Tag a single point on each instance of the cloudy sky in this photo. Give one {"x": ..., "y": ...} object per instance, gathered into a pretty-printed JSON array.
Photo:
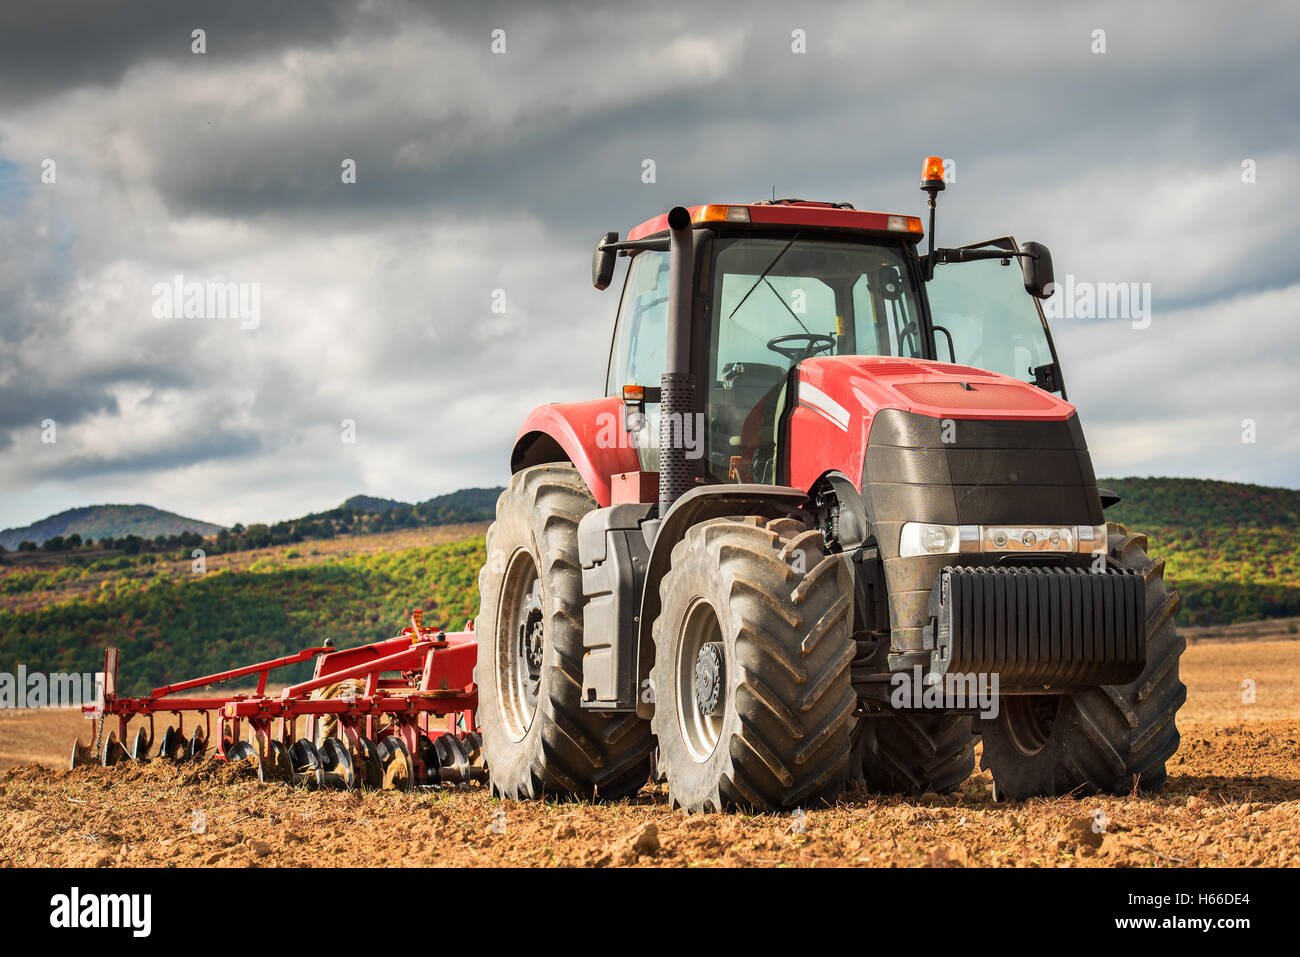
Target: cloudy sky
[{"x": 479, "y": 171}]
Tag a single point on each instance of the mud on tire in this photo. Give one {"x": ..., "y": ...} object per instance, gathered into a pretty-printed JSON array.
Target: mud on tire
[
  {"x": 775, "y": 611},
  {"x": 1108, "y": 739},
  {"x": 536, "y": 737}
]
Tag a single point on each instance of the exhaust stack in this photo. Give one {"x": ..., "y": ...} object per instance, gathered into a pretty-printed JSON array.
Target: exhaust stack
[{"x": 677, "y": 384}]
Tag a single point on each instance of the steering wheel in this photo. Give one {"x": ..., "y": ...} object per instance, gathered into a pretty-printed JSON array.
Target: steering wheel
[{"x": 814, "y": 342}]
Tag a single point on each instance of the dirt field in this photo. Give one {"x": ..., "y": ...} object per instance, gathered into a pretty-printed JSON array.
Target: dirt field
[{"x": 1233, "y": 798}]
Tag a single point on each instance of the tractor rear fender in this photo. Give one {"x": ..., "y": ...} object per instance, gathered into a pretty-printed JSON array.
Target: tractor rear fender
[
  {"x": 698, "y": 505},
  {"x": 590, "y": 434}
]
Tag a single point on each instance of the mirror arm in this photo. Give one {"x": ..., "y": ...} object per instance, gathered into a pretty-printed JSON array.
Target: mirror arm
[
  {"x": 972, "y": 255},
  {"x": 658, "y": 245}
]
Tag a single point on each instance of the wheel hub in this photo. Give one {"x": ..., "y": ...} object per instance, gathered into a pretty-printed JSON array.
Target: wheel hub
[
  {"x": 709, "y": 672},
  {"x": 700, "y": 684},
  {"x": 1028, "y": 720},
  {"x": 531, "y": 643}
]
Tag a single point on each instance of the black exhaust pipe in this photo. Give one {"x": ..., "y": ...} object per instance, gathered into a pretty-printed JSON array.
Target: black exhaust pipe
[{"x": 677, "y": 385}]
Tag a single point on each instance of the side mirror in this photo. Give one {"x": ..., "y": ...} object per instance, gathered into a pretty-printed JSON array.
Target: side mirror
[
  {"x": 1036, "y": 265},
  {"x": 602, "y": 262}
]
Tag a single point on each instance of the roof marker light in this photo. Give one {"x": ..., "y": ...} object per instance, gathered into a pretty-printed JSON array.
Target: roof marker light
[
  {"x": 714, "y": 214},
  {"x": 904, "y": 224}
]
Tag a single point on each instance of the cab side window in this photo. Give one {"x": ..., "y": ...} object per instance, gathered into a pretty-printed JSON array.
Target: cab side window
[
  {"x": 641, "y": 335},
  {"x": 641, "y": 344}
]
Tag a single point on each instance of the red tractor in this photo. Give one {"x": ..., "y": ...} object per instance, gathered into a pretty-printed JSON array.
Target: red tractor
[{"x": 832, "y": 520}]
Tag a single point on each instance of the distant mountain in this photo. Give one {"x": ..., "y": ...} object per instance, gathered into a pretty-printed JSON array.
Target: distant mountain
[
  {"x": 372, "y": 505},
  {"x": 464, "y": 505},
  {"x": 112, "y": 521}
]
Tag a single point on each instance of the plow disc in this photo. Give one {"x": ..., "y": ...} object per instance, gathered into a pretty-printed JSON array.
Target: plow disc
[
  {"x": 140, "y": 746},
  {"x": 399, "y": 772},
  {"x": 370, "y": 769},
  {"x": 306, "y": 763},
  {"x": 457, "y": 759},
  {"x": 83, "y": 755},
  {"x": 112, "y": 752},
  {"x": 173, "y": 745},
  {"x": 337, "y": 770}
]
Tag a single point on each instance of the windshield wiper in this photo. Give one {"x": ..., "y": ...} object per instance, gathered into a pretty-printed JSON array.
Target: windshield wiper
[
  {"x": 763, "y": 275},
  {"x": 787, "y": 307}
]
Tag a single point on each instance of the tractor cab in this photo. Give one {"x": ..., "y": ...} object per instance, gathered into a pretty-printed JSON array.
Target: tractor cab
[{"x": 778, "y": 283}]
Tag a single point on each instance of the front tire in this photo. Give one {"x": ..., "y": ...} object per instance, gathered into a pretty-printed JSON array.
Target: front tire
[
  {"x": 537, "y": 739},
  {"x": 1109, "y": 739},
  {"x": 751, "y": 675}
]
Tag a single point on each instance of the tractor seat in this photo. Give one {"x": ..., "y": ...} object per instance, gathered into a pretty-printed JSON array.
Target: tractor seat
[{"x": 734, "y": 413}]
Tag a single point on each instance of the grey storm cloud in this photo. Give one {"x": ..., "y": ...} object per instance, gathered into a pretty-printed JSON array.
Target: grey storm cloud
[{"x": 480, "y": 172}]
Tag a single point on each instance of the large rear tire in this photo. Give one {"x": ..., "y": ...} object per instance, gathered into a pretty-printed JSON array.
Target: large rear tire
[
  {"x": 751, "y": 676},
  {"x": 1109, "y": 739},
  {"x": 537, "y": 739}
]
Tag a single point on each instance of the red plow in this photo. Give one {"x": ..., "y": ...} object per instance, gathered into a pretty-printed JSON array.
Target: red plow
[{"x": 394, "y": 714}]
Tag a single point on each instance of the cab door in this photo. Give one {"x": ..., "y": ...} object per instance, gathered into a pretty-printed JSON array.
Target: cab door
[{"x": 984, "y": 317}]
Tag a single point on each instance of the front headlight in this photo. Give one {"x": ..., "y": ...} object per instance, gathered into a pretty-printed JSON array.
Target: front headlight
[
  {"x": 920, "y": 538},
  {"x": 923, "y": 538}
]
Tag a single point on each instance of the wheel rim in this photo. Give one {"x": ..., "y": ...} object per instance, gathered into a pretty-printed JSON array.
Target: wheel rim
[
  {"x": 1028, "y": 721},
  {"x": 520, "y": 645},
  {"x": 701, "y": 681}
]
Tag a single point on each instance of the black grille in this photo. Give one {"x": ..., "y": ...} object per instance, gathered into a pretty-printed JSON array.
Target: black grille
[{"x": 1039, "y": 626}]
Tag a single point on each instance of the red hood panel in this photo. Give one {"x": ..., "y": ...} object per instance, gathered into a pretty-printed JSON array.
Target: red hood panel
[
  {"x": 938, "y": 389},
  {"x": 839, "y": 396}
]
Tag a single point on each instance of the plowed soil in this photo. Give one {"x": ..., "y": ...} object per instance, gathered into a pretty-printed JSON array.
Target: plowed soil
[{"x": 1233, "y": 798}]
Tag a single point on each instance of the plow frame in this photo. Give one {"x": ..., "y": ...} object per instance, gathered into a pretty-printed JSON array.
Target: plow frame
[{"x": 417, "y": 688}]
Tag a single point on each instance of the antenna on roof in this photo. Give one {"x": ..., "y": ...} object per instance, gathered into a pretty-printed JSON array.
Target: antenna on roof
[{"x": 774, "y": 194}]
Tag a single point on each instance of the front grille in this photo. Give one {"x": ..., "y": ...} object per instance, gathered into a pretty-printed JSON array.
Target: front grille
[{"x": 1039, "y": 626}]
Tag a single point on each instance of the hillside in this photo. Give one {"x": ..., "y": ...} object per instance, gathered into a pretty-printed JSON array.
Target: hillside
[
  {"x": 108, "y": 521},
  {"x": 1231, "y": 548},
  {"x": 172, "y": 623},
  {"x": 1201, "y": 503}
]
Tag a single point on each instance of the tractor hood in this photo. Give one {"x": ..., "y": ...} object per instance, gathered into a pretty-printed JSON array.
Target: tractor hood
[
  {"x": 837, "y": 400},
  {"x": 867, "y": 384}
]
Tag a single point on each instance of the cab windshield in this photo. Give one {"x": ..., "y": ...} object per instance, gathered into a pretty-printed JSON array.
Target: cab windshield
[{"x": 777, "y": 301}]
